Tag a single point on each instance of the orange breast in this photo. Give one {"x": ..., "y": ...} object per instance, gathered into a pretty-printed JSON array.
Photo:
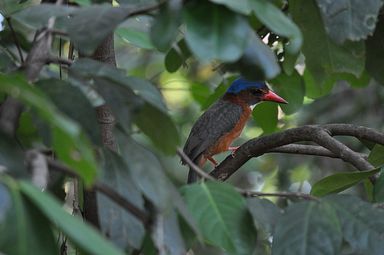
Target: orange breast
[{"x": 226, "y": 140}]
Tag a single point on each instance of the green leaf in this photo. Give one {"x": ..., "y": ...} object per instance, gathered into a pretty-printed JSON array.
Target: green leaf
[
  {"x": 362, "y": 224},
  {"x": 11, "y": 157},
  {"x": 378, "y": 189},
  {"x": 166, "y": 234},
  {"x": 69, "y": 142},
  {"x": 265, "y": 214},
  {"x": 258, "y": 61},
  {"x": 81, "y": 234},
  {"x": 375, "y": 53},
  {"x": 200, "y": 92},
  {"x": 222, "y": 216},
  {"x": 265, "y": 116},
  {"x": 132, "y": 98},
  {"x": 96, "y": 22},
  {"x": 308, "y": 228},
  {"x": 177, "y": 56},
  {"x": 8, "y": 7},
  {"x": 159, "y": 127},
  {"x": 349, "y": 19},
  {"x": 291, "y": 88},
  {"x": 376, "y": 157},
  {"x": 220, "y": 35},
  {"x": 146, "y": 172},
  {"x": 79, "y": 110},
  {"x": 135, "y": 37},
  {"x": 124, "y": 229},
  {"x": 82, "y": 2},
  {"x": 165, "y": 25},
  {"x": 273, "y": 18},
  {"x": 23, "y": 227},
  {"x": 241, "y": 6},
  {"x": 323, "y": 59},
  {"x": 339, "y": 182},
  {"x": 37, "y": 16}
]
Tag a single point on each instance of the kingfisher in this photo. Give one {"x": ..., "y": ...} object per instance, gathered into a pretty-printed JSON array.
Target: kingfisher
[{"x": 215, "y": 130}]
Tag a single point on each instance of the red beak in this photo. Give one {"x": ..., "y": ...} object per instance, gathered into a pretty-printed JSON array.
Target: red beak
[{"x": 271, "y": 96}]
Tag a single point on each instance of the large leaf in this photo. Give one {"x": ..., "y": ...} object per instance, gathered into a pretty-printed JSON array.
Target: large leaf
[
  {"x": 258, "y": 61},
  {"x": 11, "y": 157},
  {"x": 378, "y": 188},
  {"x": 222, "y": 216},
  {"x": 241, "y": 6},
  {"x": 127, "y": 95},
  {"x": 375, "y": 53},
  {"x": 159, "y": 127},
  {"x": 8, "y": 7},
  {"x": 96, "y": 22},
  {"x": 135, "y": 37},
  {"x": 277, "y": 22},
  {"x": 23, "y": 227},
  {"x": 80, "y": 109},
  {"x": 322, "y": 56},
  {"x": 376, "y": 157},
  {"x": 308, "y": 228},
  {"x": 339, "y": 182},
  {"x": 349, "y": 19},
  {"x": 121, "y": 227},
  {"x": 176, "y": 56},
  {"x": 146, "y": 172},
  {"x": 165, "y": 25},
  {"x": 362, "y": 224},
  {"x": 81, "y": 234},
  {"x": 291, "y": 88},
  {"x": 166, "y": 234},
  {"x": 265, "y": 116},
  {"x": 69, "y": 142},
  {"x": 220, "y": 35},
  {"x": 37, "y": 16},
  {"x": 265, "y": 214}
]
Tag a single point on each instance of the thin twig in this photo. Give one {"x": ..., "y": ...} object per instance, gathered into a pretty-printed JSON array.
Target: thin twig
[
  {"x": 300, "y": 195},
  {"x": 104, "y": 189},
  {"x": 193, "y": 166},
  {"x": 8, "y": 19},
  {"x": 60, "y": 61}
]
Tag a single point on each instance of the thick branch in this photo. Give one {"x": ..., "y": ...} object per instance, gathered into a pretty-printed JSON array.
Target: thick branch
[
  {"x": 341, "y": 150},
  {"x": 320, "y": 134}
]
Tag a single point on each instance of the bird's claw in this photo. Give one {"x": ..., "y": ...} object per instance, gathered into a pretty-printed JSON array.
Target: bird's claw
[{"x": 233, "y": 150}]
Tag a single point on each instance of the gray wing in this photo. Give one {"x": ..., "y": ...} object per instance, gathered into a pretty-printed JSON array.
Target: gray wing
[{"x": 219, "y": 119}]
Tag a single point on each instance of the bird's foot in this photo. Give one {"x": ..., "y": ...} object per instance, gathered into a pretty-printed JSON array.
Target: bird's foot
[
  {"x": 213, "y": 161},
  {"x": 233, "y": 150}
]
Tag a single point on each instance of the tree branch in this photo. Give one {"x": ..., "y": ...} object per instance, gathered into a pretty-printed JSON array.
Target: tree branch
[
  {"x": 315, "y": 133},
  {"x": 313, "y": 150}
]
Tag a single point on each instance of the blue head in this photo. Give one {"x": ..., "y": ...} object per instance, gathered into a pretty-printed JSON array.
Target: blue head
[
  {"x": 253, "y": 92},
  {"x": 242, "y": 84}
]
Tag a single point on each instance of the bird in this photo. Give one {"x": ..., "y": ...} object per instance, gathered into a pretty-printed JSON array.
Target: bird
[{"x": 216, "y": 129}]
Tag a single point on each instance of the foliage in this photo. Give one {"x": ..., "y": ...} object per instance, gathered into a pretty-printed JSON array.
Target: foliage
[{"x": 303, "y": 48}]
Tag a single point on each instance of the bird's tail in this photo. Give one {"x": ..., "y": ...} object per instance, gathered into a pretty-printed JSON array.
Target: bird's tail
[{"x": 192, "y": 176}]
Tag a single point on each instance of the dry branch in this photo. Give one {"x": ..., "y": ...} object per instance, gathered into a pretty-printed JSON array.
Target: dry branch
[{"x": 320, "y": 134}]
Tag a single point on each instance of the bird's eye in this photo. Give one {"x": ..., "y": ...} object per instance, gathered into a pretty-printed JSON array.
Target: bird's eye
[{"x": 256, "y": 92}]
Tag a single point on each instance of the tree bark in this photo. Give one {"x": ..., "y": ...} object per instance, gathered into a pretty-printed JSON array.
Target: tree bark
[{"x": 104, "y": 53}]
